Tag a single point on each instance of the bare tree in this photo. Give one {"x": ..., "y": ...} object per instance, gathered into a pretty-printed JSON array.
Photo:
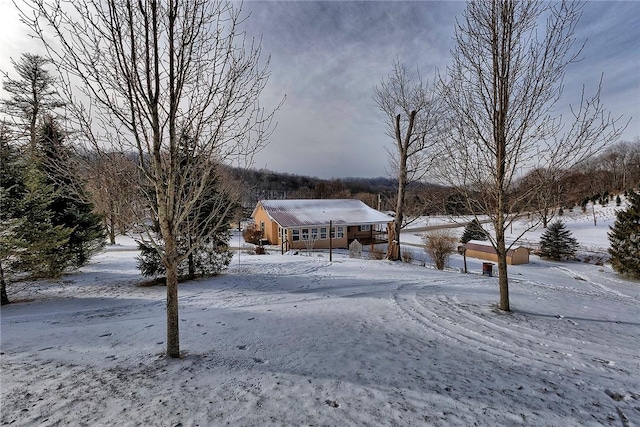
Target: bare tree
[
  {"x": 113, "y": 184},
  {"x": 617, "y": 159},
  {"x": 310, "y": 238},
  {"x": 547, "y": 198},
  {"x": 148, "y": 71},
  {"x": 411, "y": 109},
  {"x": 501, "y": 94}
]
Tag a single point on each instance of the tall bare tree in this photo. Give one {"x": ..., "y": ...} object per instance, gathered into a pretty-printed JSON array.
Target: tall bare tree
[
  {"x": 411, "y": 108},
  {"x": 501, "y": 93},
  {"x": 112, "y": 181},
  {"x": 148, "y": 70},
  {"x": 618, "y": 159}
]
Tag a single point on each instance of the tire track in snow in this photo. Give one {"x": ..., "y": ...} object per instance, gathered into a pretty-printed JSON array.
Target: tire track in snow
[
  {"x": 473, "y": 334},
  {"x": 596, "y": 285},
  {"x": 579, "y": 351},
  {"x": 595, "y": 291}
]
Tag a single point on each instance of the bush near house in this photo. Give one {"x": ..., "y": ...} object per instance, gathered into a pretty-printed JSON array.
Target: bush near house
[{"x": 252, "y": 235}]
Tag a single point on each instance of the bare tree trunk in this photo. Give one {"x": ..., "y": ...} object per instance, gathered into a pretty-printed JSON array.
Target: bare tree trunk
[
  {"x": 191, "y": 261},
  {"x": 173, "y": 327},
  {"x": 4, "y": 298},
  {"x": 112, "y": 225},
  {"x": 393, "y": 249},
  {"x": 503, "y": 279}
]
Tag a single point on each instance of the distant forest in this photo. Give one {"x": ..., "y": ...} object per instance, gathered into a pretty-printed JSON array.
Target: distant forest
[{"x": 599, "y": 180}]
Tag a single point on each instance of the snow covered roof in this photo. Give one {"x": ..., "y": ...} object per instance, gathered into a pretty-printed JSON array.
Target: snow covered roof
[{"x": 309, "y": 212}]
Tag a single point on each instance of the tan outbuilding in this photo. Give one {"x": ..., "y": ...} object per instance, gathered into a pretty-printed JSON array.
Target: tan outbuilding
[{"x": 484, "y": 250}]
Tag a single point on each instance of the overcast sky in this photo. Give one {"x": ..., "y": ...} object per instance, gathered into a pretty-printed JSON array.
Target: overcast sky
[{"x": 327, "y": 56}]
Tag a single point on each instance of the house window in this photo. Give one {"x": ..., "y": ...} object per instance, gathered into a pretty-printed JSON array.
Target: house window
[
  {"x": 262, "y": 226},
  {"x": 295, "y": 234},
  {"x": 365, "y": 228},
  {"x": 305, "y": 234},
  {"x": 314, "y": 234},
  {"x": 340, "y": 232},
  {"x": 323, "y": 233}
]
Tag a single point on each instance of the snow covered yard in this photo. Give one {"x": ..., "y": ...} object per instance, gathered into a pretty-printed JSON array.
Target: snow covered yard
[{"x": 297, "y": 340}]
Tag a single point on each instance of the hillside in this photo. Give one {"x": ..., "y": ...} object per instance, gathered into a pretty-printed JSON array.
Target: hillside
[{"x": 298, "y": 340}]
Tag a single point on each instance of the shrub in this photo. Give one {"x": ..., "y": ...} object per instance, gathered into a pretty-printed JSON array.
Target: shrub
[
  {"x": 252, "y": 235},
  {"x": 557, "y": 243},
  {"x": 407, "y": 256},
  {"x": 259, "y": 250},
  {"x": 376, "y": 254},
  {"x": 439, "y": 244}
]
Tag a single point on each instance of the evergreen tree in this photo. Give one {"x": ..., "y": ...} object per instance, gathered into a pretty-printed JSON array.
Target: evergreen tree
[
  {"x": 44, "y": 239},
  {"x": 10, "y": 196},
  {"x": 212, "y": 255},
  {"x": 208, "y": 259},
  {"x": 625, "y": 239},
  {"x": 473, "y": 231},
  {"x": 32, "y": 95},
  {"x": 557, "y": 243},
  {"x": 29, "y": 241},
  {"x": 69, "y": 208}
]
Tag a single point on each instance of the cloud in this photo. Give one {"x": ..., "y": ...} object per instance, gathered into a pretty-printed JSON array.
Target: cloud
[{"x": 326, "y": 57}]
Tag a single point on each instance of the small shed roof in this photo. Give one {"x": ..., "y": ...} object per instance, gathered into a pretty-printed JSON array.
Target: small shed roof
[
  {"x": 480, "y": 246},
  {"x": 310, "y": 212}
]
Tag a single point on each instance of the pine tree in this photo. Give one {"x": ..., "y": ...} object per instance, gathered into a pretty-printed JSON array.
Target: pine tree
[
  {"x": 70, "y": 208},
  {"x": 209, "y": 259},
  {"x": 30, "y": 243},
  {"x": 32, "y": 95},
  {"x": 625, "y": 239},
  {"x": 43, "y": 238},
  {"x": 557, "y": 243},
  {"x": 473, "y": 231},
  {"x": 212, "y": 254}
]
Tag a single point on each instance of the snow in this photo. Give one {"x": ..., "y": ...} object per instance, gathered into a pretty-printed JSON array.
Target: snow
[
  {"x": 298, "y": 340},
  {"x": 320, "y": 212}
]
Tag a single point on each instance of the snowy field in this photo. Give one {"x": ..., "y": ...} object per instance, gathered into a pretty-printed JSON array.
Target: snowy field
[{"x": 298, "y": 340}]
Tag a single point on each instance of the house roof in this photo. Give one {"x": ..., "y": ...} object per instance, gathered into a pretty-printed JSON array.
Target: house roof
[{"x": 310, "y": 212}]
